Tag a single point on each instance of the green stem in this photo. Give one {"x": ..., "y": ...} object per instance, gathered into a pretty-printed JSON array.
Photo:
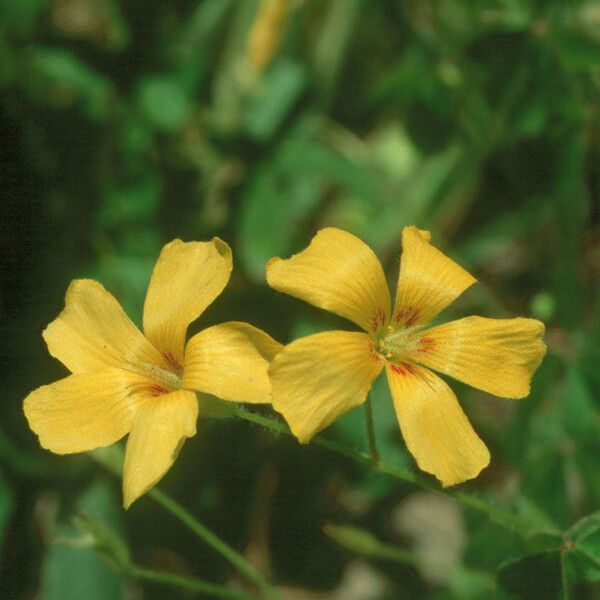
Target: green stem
[
  {"x": 216, "y": 543},
  {"x": 501, "y": 516},
  {"x": 112, "y": 459},
  {"x": 371, "y": 430},
  {"x": 188, "y": 583}
]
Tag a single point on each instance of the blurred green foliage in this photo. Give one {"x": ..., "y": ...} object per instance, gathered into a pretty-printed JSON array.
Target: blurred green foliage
[{"x": 126, "y": 124}]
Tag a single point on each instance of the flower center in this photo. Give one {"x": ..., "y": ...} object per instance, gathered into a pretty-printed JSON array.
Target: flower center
[
  {"x": 169, "y": 379},
  {"x": 396, "y": 342},
  {"x": 165, "y": 379}
]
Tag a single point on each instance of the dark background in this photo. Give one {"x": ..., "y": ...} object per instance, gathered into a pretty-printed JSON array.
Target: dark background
[{"x": 126, "y": 124}]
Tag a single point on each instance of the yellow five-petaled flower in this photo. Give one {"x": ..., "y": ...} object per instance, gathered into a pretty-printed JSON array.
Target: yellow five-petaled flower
[
  {"x": 124, "y": 381},
  {"x": 318, "y": 378}
]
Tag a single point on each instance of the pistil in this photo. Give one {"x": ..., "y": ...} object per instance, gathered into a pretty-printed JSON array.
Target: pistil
[
  {"x": 169, "y": 379},
  {"x": 395, "y": 342}
]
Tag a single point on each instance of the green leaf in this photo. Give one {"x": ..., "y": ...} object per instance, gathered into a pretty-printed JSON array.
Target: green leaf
[
  {"x": 583, "y": 556},
  {"x": 579, "y": 413},
  {"x": 577, "y": 51},
  {"x": 21, "y": 17},
  {"x": 330, "y": 48},
  {"x": 363, "y": 542},
  {"x": 71, "y": 569},
  {"x": 105, "y": 541},
  {"x": 276, "y": 203},
  {"x": 59, "y": 78},
  {"x": 533, "y": 577},
  {"x": 164, "y": 102},
  {"x": 278, "y": 92},
  {"x": 126, "y": 206}
]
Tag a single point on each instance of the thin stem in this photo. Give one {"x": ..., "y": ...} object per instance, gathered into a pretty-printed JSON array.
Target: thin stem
[
  {"x": 112, "y": 459},
  {"x": 371, "y": 430},
  {"x": 501, "y": 516},
  {"x": 188, "y": 583},
  {"x": 216, "y": 543}
]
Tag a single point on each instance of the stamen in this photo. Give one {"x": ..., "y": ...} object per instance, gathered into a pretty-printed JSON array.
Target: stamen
[{"x": 167, "y": 380}]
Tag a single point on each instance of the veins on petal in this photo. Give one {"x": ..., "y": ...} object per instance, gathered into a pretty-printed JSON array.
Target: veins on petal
[
  {"x": 378, "y": 320},
  {"x": 408, "y": 316},
  {"x": 402, "y": 368}
]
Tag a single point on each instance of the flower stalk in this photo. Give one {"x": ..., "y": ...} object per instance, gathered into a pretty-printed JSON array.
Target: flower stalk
[
  {"x": 112, "y": 459},
  {"x": 188, "y": 583},
  {"x": 371, "y": 430},
  {"x": 500, "y": 516}
]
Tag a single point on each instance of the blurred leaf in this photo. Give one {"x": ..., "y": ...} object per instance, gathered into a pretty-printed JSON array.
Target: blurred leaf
[
  {"x": 278, "y": 92},
  {"x": 61, "y": 79},
  {"x": 277, "y": 202},
  {"x": 111, "y": 458},
  {"x": 543, "y": 306},
  {"x": 330, "y": 48},
  {"x": 21, "y": 17},
  {"x": 309, "y": 157},
  {"x": 543, "y": 531},
  {"x": 409, "y": 202},
  {"x": 71, "y": 570},
  {"x": 544, "y": 473},
  {"x": 7, "y": 502},
  {"x": 105, "y": 541},
  {"x": 163, "y": 101},
  {"x": 583, "y": 557},
  {"x": 534, "y": 577},
  {"x": 268, "y": 223},
  {"x": 580, "y": 416},
  {"x": 362, "y": 542},
  {"x": 127, "y": 206},
  {"x": 233, "y": 78},
  {"x": 577, "y": 51},
  {"x": 468, "y": 584},
  {"x": 569, "y": 183},
  {"x": 8, "y": 64},
  {"x": 494, "y": 238},
  {"x": 116, "y": 30}
]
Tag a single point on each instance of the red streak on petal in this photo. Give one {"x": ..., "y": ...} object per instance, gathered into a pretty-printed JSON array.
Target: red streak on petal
[
  {"x": 372, "y": 354},
  {"x": 403, "y": 368},
  {"x": 172, "y": 361},
  {"x": 408, "y": 315},
  {"x": 427, "y": 344},
  {"x": 378, "y": 319},
  {"x": 157, "y": 390}
]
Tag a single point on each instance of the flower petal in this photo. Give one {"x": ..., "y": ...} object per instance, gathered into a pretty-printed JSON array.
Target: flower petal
[
  {"x": 93, "y": 332},
  {"x": 230, "y": 361},
  {"x": 187, "y": 277},
  {"x": 435, "y": 429},
  {"x": 318, "y": 378},
  {"x": 428, "y": 281},
  {"x": 337, "y": 272},
  {"x": 159, "y": 431},
  {"x": 83, "y": 412},
  {"x": 498, "y": 356}
]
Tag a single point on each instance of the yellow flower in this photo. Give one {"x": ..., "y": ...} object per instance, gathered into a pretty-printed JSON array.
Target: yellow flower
[
  {"x": 318, "y": 378},
  {"x": 265, "y": 36},
  {"x": 124, "y": 381}
]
